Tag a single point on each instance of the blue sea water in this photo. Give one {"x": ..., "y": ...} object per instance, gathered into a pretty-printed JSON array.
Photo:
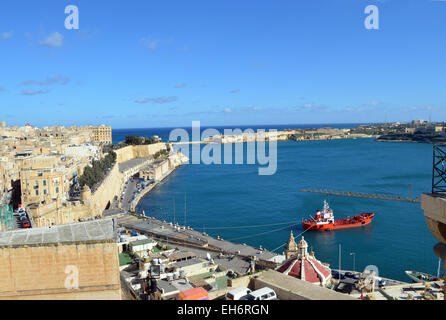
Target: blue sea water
[{"x": 219, "y": 196}]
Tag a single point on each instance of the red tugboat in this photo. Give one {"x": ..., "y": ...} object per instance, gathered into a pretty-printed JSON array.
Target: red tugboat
[{"x": 324, "y": 220}]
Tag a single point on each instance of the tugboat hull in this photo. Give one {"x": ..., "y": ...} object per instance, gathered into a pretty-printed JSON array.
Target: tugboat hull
[{"x": 357, "y": 221}]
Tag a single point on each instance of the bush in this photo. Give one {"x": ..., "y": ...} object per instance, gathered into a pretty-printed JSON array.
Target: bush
[{"x": 137, "y": 140}]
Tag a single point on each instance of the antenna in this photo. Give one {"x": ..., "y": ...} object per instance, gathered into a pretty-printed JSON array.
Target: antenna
[{"x": 339, "y": 261}]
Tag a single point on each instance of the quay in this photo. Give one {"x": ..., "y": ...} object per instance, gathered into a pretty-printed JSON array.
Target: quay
[{"x": 186, "y": 236}]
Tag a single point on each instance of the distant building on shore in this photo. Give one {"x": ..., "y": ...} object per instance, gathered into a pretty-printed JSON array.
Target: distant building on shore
[{"x": 418, "y": 122}]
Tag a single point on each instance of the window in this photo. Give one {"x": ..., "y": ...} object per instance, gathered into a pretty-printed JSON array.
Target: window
[
  {"x": 44, "y": 182},
  {"x": 57, "y": 189},
  {"x": 37, "y": 192},
  {"x": 44, "y": 191}
]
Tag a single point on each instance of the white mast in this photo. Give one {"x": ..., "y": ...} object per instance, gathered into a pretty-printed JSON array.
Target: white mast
[
  {"x": 339, "y": 261},
  {"x": 185, "y": 209},
  {"x": 173, "y": 210}
]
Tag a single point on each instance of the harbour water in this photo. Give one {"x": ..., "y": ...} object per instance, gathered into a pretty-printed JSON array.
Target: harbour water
[{"x": 219, "y": 197}]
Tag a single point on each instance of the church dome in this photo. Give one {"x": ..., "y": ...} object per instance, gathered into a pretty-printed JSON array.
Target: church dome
[{"x": 306, "y": 267}]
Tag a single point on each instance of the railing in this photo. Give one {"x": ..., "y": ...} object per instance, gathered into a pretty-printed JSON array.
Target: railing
[{"x": 6, "y": 218}]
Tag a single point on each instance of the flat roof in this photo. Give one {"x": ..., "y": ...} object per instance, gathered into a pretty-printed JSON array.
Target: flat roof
[
  {"x": 186, "y": 263},
  {"x": 89, "y": 231},
  {"x": 166, "y": 287},
  {"x": 142, "y": 242},
  {"x": 300, "y": 288},
  {"x": 179, "y": 255}
]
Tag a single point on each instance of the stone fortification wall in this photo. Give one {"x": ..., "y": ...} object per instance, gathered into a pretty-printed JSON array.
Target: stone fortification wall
[
  {"x": 39, "y": 272},
  {"x": 144, "y": 151}
]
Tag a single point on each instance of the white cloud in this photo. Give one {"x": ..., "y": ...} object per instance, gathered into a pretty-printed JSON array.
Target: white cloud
[
  {"x": 373, "y": 103},
  {"x": 6, "y": 35},
  {"x": 148, "y": 43},
  {"x": 157, "y": 100},
  {"x": 60, "y": 79},
  {"x": 54, "y": 40},
  {"x": 33, "y": 92}
]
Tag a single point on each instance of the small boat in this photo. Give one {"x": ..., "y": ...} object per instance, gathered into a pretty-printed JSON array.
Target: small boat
[
  {"x": 324, "y": 220},
  {"x": 421, "y": 277}
]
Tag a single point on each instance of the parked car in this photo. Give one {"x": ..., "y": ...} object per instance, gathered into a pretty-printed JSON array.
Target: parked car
[
  {"x": 336, "y": 275},
  {"x": 237, "y": 293},
  {"x": 261, "y": 294},
  {"x": 345, "y": 288},
  {"x": 351, "y": 275},
  {"x": 26, "y": 224}
]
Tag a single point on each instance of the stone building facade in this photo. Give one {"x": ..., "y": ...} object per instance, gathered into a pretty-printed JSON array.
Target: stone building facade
[{"x": 102, "y": 134}]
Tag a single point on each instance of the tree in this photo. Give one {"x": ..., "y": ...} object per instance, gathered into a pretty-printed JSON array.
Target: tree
[{"x": 96, "y": 172}]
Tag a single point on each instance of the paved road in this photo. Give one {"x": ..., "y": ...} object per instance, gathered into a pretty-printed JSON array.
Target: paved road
[
  {"x": 129, "y": 192},
  {"x": 132, "y": 163}
]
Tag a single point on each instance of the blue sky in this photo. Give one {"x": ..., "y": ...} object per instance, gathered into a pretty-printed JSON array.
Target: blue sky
[{"x": 165, "y": 63}]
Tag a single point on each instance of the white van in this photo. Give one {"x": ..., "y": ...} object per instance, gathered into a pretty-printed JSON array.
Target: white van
[
  {"x": 262, "y": 294},
  {"x": 237, "y": 293}
]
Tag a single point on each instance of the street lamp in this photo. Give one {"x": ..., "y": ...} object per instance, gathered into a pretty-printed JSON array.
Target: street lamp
[{"x": 354, "y": 255}]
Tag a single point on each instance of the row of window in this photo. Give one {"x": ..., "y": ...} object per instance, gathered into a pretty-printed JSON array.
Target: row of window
[{"x": 45, "y": 192}]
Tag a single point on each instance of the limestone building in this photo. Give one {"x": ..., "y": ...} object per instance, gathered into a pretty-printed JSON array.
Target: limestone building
[
  {"x": 68, "y": 262},
  {"x": 102, "y": 134}
]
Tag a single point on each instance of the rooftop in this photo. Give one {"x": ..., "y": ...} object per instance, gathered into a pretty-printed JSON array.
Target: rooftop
[
  {"x": 142, "y": 242},
  {"x": 186, "y": 263},
  {"x": 166, "y": 288},
  {"x": 89, "y": 231}
]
